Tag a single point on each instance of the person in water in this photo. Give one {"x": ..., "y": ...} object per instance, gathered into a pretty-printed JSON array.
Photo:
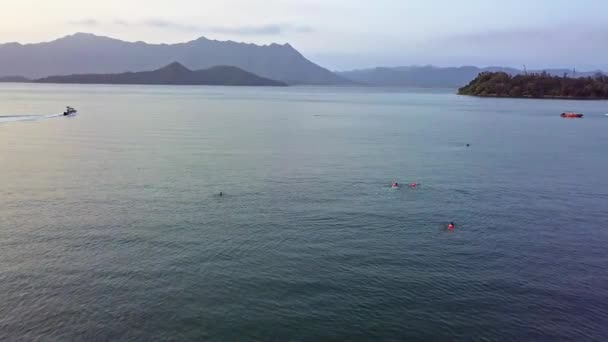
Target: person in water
[
  {"x": 395, "y": 185},
  {"x": 451, "y": 226}
]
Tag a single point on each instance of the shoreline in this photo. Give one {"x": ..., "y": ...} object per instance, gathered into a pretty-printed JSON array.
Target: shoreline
[{"x": 538, "y": 98}]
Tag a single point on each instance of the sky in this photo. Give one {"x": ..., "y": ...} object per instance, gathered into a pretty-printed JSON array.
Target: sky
[{"x": 343, "y": 34}]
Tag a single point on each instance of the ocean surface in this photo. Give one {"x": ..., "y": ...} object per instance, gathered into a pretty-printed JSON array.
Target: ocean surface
[{"x": 111, "y": 226}]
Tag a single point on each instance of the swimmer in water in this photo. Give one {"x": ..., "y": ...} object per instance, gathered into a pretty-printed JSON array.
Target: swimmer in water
[
  {"x": 395, "y": 185},
  {"x": 468, "y": 145},
  {"x": 221, "y": 194},
  {"x": 413, "y": 185},
  {"x": 451, "y": 226}
]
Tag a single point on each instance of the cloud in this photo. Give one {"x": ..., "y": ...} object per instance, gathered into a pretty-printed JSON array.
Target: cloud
[
  {"x": 89, "y": 22},
  {"x": 248, "y": 30},
  {"x": 556, "y": 37},
  {"x": 544, "y": 46},
  {"x": 263, "y": 30},
  {"x": 299, "y": 28},
  {"x": 166, "y": 24},
  {"x": 120, "y": 22}
]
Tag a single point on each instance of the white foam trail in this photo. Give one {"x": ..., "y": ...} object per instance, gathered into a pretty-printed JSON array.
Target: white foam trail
[
  {"x": 52, "y": 116},
  {"x": 19, "y": 118},
  {"x": 16, "y": 118}
]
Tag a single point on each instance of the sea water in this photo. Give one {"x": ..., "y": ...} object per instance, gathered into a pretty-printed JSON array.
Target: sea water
[{"x": 112, "y": 227}]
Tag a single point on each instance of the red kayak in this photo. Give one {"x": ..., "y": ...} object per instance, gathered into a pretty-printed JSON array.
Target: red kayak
[{"x": 571, "y": 115}]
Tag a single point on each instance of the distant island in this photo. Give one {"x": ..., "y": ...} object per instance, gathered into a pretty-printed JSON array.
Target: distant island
[
  {"x": 172, "y": 74},
  {"x": 537, "y": 85}
]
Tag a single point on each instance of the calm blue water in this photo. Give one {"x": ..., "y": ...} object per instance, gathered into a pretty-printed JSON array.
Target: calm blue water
[{"x": 111, "y": 227}]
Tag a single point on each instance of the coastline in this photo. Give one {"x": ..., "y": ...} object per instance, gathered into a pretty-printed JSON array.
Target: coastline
[{"x": 538, "y": 97}]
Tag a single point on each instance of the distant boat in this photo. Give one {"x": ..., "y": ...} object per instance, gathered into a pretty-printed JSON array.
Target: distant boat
[{"x": 571, "y": 115}]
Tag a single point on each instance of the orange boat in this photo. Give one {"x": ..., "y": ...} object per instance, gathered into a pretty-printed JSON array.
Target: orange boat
[{"x": 571, "y": 115}]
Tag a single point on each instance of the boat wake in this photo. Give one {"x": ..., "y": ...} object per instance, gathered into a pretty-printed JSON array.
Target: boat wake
[{"x": 16, "y": 118}]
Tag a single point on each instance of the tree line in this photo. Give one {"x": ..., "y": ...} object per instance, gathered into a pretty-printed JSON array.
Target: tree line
[{"x": 537, "y": 85}]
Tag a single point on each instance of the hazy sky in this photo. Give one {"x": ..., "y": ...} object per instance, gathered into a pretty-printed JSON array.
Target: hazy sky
[{"x": 343, "y": 34}]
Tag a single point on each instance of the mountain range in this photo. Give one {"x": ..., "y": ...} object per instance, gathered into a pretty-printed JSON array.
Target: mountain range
[
  {"x": 85, "y": 53},
  {"x": 172, "y": 74},
  {"x": 431, "y": 76}
]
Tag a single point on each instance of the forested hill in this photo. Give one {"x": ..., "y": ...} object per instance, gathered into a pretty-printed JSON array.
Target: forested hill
[
  {"x": 172, "y": 74},
  {"x": 540, "y": 85}
]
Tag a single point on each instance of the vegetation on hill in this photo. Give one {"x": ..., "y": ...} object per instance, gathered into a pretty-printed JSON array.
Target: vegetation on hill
[
  {"x": 172, "y": 74},
  {"x": 539, "y": 85}
]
